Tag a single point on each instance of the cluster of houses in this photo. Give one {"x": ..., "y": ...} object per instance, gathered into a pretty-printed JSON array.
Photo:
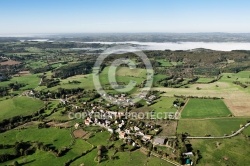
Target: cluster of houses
[
  {"x": 148, "y": 98},
  {"x": 115, "y": 122},
  {"x": 127, "y": 101},
  {"x": 119, "y": 99}
]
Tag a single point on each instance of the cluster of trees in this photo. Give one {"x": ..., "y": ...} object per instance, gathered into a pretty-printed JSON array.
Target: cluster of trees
[
  {"x": 50, "y": 82},
  {"x": 197, "y": 97},
  {"x": 41, "y": 69},
  {"x": 73, "y": 69},
  {"x": 179, "y": 102},
  {"x": 28, "y": 148},
  {"x": 61, "y": 93},
  {"x": 240, "y": 84},
  {"x": 20, "y": 149},
  {"x": 4, "y": 91}
]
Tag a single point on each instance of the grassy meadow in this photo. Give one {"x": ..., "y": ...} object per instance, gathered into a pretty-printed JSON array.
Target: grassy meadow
[
  {"x": 204, "y": 108},
  {"x": 164, "y": 104},
  {"x": 226, "y": 152},
  {"x": 19, "y": 106},
  {"x": 213, "y": 127}
]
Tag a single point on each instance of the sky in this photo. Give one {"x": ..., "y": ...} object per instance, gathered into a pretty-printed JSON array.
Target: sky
[{"x": 123, "y": 16}]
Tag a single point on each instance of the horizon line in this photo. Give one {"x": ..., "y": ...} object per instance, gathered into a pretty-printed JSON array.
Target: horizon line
[{"x": 74, "y": 33}]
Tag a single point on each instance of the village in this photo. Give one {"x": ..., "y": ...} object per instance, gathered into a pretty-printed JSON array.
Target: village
[{"x": 129, "y": 127}]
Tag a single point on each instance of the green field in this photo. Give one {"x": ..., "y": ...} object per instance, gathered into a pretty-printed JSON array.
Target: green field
[
  {"x": 234, "y": 149},
  {"x": 176, "y": 63},
  {"x": 204, "y": 80},
  {"x": 126, "y": 71},
  {"x": 123, "y": 158},
  {"x": 58, "y": 137},
  {"x": 157, "y": 78},
  {"x": 123, "y": 74},
  {"x": 213, "y": 127},
  {"x": 86, "y": 82},
  {"x": 247, "y": 131},
  {"x": 165, "y": 63},
  {"x": 19, "y": 106},
  {"x": 204, "y": 108},
  {"x": 36, "y": 64},
  {"x": 242, "y": 76},
  {"x": 39, "y": 158},
  {"x": 31, "y": 81},
  {"x": 164, "y": 104},
  {"x": 100, "y": 138}
]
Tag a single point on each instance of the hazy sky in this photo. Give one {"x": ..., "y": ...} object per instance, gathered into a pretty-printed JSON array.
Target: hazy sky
[{"x": 80, "y": 16}]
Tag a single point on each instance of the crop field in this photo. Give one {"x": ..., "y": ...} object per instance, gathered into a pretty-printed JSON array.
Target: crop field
[
  {"x": 235, "y": 97},
  {"x": 223, "y": 152},
  {"x": 19, "y": 106},
  {"x": 213, "y": 127},
  {"x": 9, "y": 62},
  {"x": 204, "y": 108}
]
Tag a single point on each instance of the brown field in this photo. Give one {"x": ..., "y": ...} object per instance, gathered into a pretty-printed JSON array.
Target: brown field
[
  {"x": 10, "y": 63},
  {"x": 79, "y": 133},
  {"x": 168, "y": 128},
  {"x": 236, "y": 98}
]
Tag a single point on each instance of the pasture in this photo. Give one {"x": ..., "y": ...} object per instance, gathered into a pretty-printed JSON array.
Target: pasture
[
  {"x": 164, "y": 63},
  {"x": 41, "y": 157},
  {"x": 204, "y": 80},
  {"x": 123, "y": 74},
  {"x": 204, "y": 108},
  {"x": 58, "y": 137},
  {"x": 31, "y": 81},
  {"x": 223, "y": 152},
  {"x": 157, "y": 78},
  {"x": 243, "y": 76},
  {"x": 19, "y": 106},
  {"x": 123, "y": 158},
  {"x": 134, "y": 72},
  {"x": 213, "y": 127},
  {"x": 164, "y": 104}
]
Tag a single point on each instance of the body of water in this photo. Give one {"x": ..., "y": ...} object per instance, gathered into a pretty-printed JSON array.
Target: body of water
[{"x": 223, "y": 46}]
